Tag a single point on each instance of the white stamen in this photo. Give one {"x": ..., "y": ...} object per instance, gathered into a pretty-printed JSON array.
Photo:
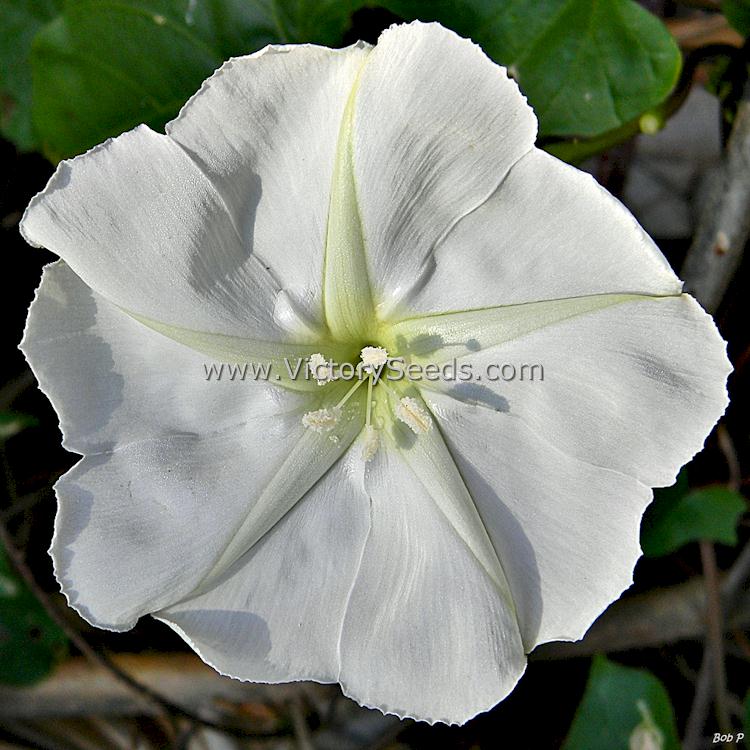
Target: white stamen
[
  {"x": 413, "y": 415},
  {"x": 370, "y": 444},
  {"x": 320, "y": 368},
  {"x": 373, "y": 357},
  {"x": 322, "y": 420}
]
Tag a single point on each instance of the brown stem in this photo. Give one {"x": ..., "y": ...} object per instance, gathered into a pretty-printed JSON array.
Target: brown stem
[
  {"x": 715, "y": 633},
  {"x": 701, "y": 698},
  {"x": 724, "y": 225},
  {"x": 726, "y": 445}
]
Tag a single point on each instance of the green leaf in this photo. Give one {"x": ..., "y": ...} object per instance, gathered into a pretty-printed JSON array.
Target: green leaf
[
  {"x": 676, "y": 519},
  {"x": 11, "y": 423},
  {"x": 104, "y": 66},
  {"x": 737, "y": 12},
  {"x": 19, "y": 22},
  {"x": 319, "y": 21},
  {"x": 30, "y": 642},
  {"x": 586, "y": 66},
  {"x": 618, "y": 702}
]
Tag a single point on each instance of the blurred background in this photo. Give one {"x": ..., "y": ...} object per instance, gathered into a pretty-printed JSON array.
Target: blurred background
[{"x": 653, "y": 99}]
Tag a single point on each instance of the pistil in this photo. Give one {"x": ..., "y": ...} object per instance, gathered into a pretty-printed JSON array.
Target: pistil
[{"x": 373, "y": 358}]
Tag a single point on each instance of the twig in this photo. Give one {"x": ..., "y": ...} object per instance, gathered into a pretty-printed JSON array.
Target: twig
[
  {"x": 301, "y": 729},
  {"x": 724, "y": 224},
  {"x": 735, "y": 579},
  {"x": 648, "y": 620},
  {"x": 697, "y": 31},
  {"x": 726, "y": 445},
  {"x": 39, "y": 739},
  {"x": 715, "y": 633},
  {"x": 710, "y": 265},
  {"x": 740, "y": 570},
  {"x": 74, "y": 689},
  {"x": 701, "y": 699},
  {"x": 356, "y": 728},
  {"x": 115, "y": 735},
  {"x": 18, "y": 562},
  {"x": 77, "y": 735},
  {"x": 731, "y": 589},
  {"x": 142, "y": 693}
]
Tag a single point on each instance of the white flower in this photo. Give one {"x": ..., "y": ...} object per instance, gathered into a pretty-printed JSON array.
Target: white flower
[{"x": 310, "y": 201}]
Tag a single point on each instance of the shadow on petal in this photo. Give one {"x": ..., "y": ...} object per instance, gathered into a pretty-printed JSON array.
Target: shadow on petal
[
  {"x": 473, "y": 393},
  {"x": 218, "y": 634},
  {"x": 74, "y": 366},
  {"x": 211, "y": 270},
  {"x": 515, "y": 551}
]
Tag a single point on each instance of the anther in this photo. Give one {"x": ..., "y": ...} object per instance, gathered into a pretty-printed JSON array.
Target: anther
[
  {"x": 373, "y": 357},
  {"x": 320, "y": 368},
  {"x": 413, "y": 415},
  {"x": 322, "y": 420}
]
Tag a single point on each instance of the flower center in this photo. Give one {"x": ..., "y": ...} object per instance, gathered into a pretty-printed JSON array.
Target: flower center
[{"x": 372, "y": 369}]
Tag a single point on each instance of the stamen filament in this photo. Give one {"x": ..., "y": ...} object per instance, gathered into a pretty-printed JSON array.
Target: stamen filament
[
  {"x": 349, "y": 393},
  {"x": 370, "y": 444},
  {"x": 368, "y": 413}
]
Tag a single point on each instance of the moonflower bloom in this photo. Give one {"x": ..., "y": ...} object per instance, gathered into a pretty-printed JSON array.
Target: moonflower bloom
[{"x": 411, "y": 541}]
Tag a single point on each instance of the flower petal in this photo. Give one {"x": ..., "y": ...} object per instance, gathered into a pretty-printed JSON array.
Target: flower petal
[
  {"x": 347, "y": 294},
  {"x": 276, "y": 614},
  {"x": 140, "y": 223},
  {"x": 530, "y": 241},
  {"x": 429, "y": 459},
  {"x": 634, "y": 387},
  {"x": 437, "y": 126},
  {"x": 427, "y": 633},
  {"x": 628, "y": 393},
  {"x": 281, "y": 359},
  {"x": 265, "y": 128},
  {"x": 175, "y": 461},
  {"x": 567, "y": 531},
  {"x": 439, "y": 337}
]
